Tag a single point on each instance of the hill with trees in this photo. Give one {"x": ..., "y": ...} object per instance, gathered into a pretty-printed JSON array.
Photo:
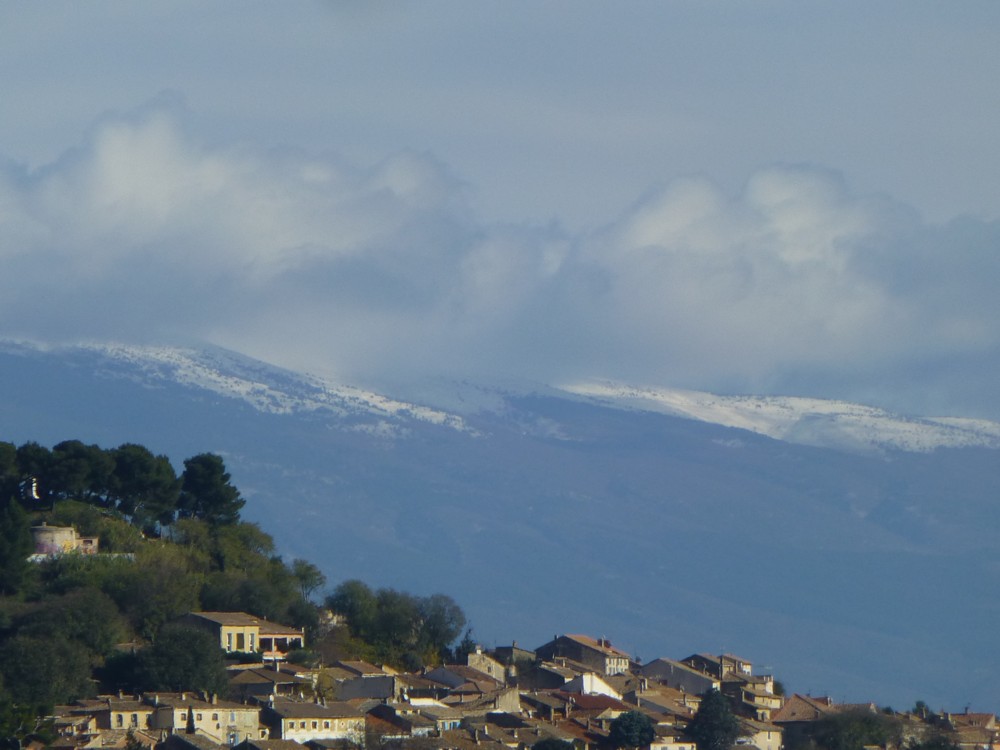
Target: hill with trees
[{"x": 74, "y": 625}]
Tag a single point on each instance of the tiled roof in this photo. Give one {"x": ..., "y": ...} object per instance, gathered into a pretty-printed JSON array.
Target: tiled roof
[
  {"x": 603, "y": 645},
  {"x": 242, "y": 619},
  {"x": 803, "y": 708},
  {"x": 289, "y": 709}
]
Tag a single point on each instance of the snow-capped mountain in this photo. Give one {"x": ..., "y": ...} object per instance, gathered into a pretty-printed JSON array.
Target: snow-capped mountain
[
  {"x": 852, "y": 550},
  {"x": 804, "y": 421}
]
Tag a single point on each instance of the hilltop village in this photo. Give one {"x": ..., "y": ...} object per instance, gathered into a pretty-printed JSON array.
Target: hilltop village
[
  {"x": 137, "y": 610},
  {"x": 575, "y": 689}
]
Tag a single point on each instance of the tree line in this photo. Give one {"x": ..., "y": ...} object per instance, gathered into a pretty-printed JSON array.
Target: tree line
[{"x": 129, "y": 480}]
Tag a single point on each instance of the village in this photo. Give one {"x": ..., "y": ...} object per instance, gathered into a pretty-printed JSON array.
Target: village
[{"x": 571, "y": 689}]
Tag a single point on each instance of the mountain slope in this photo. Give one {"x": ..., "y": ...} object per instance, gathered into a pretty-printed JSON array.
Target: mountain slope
[{"x": 866, "y": 574}]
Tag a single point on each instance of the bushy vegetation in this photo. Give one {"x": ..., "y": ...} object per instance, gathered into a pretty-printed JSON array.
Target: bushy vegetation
[{"x": 73, "y": 625}]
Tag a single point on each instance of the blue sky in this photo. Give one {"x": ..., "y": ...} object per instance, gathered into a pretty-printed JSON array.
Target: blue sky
[{"x": 771, "y": 196}]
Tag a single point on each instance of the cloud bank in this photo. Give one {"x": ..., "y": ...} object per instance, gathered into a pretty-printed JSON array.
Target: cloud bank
[{"x": 795, "y": 284}]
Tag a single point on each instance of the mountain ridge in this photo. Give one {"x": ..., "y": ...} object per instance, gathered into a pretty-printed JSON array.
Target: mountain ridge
[
  {"x": 543, "y": 511},
  {"x": 795, "y": 419}
]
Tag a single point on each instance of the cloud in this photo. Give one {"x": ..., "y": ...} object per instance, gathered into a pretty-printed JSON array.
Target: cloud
[{"x": 144, "y": 233}]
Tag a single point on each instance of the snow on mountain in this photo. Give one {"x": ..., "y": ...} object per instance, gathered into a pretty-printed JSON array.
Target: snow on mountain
[
  {"x": 450, "y": 404},
  {"x": 805, "y": 421},
  {"x": 267, "y": 388}
]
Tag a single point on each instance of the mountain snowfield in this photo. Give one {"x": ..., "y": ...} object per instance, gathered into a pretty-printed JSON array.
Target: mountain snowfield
[
  {"x": 805, "y": 421},
  {"x": 851, "y": 549}
]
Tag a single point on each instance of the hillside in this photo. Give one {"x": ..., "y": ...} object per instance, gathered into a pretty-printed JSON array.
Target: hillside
[{"x": 543, "y": 511}]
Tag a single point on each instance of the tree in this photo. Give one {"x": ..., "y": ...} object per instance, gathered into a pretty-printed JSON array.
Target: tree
[
  {"x": 144, "y": 487},
  {"x": 41, "y": 672},
  {"x": 16, "y": 543},
  {"x": 80, "y": 471},
  {"x": 207, "y": 493},
  {"x": 355, "y": 601},
  {"x": 9, "y": 474},
  {"x": 85, "y": 616},
  {"x": 852, "y": 730},
  {"x": 714, "y": 727},
  {"x": 182, "y": 658},
  {"x": 631, "y": 729},
  {"x": 308, "y": 575},
  {"x": 441, "y": 623}
]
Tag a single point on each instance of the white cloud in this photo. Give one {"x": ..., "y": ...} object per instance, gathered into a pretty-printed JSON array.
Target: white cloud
[{"x": 142, "y": 232}]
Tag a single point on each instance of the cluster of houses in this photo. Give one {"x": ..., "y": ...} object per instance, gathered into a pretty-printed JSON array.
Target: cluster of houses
[{"x": 571, "y": 688}]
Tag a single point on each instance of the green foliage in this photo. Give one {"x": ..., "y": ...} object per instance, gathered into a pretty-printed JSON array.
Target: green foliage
[
  {"x": 852, "y": 730},
  {"x": 144, "y": 487},
  {"x": 41, "y": 672},
  {"x": 714, "y": 727},
  {"x": 400, "y": 628},
  {"x": 85, "y": 616},
  {"x": 114, "y": 534},
  {"x": 182, "y": 658},
  {"x": 310, "y": 577},
  {"x": 631, "y": 729},
  {"x": 207, "y": 493},
  {"x": 157, "y": 587},
  {"x": 79, "y": 471},
  {"x": 16, "y": 544},
  {"x": 9, "y": 473}
]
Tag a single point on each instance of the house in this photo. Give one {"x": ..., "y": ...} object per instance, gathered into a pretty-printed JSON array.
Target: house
[
  {"x": 590, "y": 683},
  {"x": 240, "y": 632},
  {"x": 670, "y": 738},
  {"x": 487, "y": 664},
  {"x": 798, "y": 712},
  {"x": 463, "y": 679},
  {"x": 760, "y": 734},
  {"x": 597, "y": 654},
  {"x": 223, "y": 722},
  {"x": 751, "y": 697},
  {"x": 305, "y": 720},
  {"x": 680, "y": 676},
  {"x": 257, "y": 682},
  {"x": 719, "y": 666},
  {"x": 126, "y": 712},
  {"x": 58, "y": 540},
  {"x": 678, "y": 707}
]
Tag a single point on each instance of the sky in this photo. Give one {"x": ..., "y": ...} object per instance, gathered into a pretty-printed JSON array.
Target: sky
[{"x": 769, "y": 197}]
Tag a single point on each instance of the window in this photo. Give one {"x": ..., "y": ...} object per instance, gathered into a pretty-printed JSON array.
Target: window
[
  {"x": 232, "y": 717},
  {"x": 184, "y": 715},
  {"x": 120, "y": 720},
  {"x": 240, "y": 642},
  {"x": 198, "y": 717},
  {"x": 229, "y": 641},
  {"x": 215, "y": 717},
  {"x": 135, "y": 720},
  {"x": 315, "y": 724},
  {"x": 326, "y": 725}
]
